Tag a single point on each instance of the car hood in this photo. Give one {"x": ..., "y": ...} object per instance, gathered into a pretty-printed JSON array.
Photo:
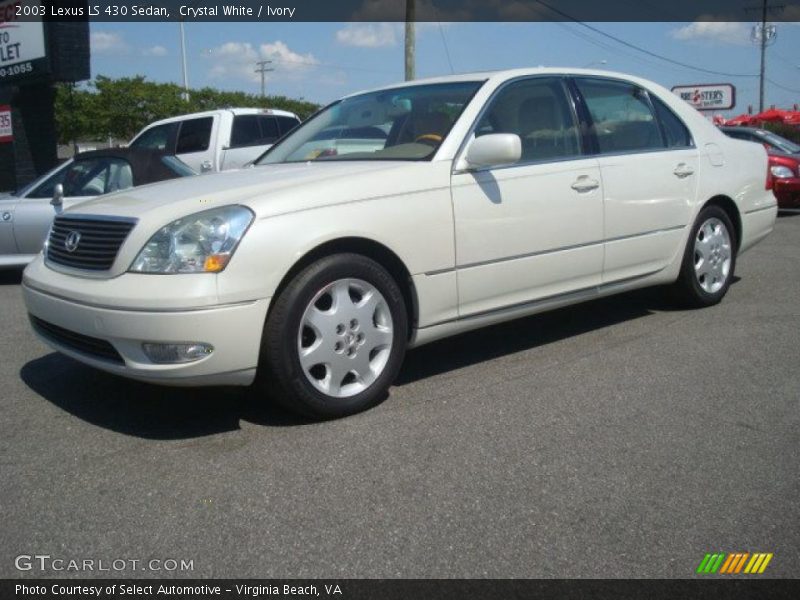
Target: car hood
[
  {"x": 268, "y": 190},
  {"x": 7, "y": 199}
]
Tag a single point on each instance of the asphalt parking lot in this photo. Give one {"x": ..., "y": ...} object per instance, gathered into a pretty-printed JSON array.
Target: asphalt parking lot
[{"x": 620, "y": 438}]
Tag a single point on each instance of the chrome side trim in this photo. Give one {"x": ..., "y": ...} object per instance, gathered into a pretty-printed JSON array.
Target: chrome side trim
[
  {"x": 539, "y": 301},
  {"x": 554, "y": 250}
]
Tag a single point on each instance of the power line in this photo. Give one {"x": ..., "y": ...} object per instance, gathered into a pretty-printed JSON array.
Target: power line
[
  {"x": 783, "y": 87},
  {"x": 446, "y": 49},
  {"x": 639, "y": 48}
]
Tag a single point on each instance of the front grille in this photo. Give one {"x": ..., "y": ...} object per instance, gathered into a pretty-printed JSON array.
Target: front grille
[
  {"x": 78, "y": 342},
  {"x": 97, "y": 246}
]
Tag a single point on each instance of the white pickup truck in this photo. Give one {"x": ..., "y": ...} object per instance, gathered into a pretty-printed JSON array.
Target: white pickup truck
[{"x": 218, "y": 140}]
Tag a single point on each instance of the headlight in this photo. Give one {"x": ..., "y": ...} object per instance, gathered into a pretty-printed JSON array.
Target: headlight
[
  {"x": 781, "y": 172},
  {"x": 200, "y": 243}
]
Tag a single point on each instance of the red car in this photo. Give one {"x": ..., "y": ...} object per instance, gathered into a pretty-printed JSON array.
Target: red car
[
  {"x": 785, "y": 172},
  {"x": 784, "y": 162}
]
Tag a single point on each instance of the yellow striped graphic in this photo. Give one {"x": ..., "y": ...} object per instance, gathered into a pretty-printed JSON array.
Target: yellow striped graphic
[{"x": 758, "y": 563}]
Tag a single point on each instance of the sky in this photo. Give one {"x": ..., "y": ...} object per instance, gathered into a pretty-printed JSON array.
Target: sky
[{"x": 323, "y": 61}]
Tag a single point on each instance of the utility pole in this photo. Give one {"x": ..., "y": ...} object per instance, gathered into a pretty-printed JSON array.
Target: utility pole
[
  {"x": 763, "y": 69},
  {"x": 411, "y": 15},
  {"x": 263, "y": 69},
  {"x": 764, "y": 36},
  {"x": 183, "y": 64}
]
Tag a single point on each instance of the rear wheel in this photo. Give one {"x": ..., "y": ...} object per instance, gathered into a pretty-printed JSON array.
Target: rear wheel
[
  {"x": 335, "y": 337},
  {"x": 709, "y": 259}
]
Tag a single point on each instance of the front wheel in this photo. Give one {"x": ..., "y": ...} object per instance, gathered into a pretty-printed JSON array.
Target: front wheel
[
  {"x": 335, "y": 337},
  {"x": 709, "y": 259}
]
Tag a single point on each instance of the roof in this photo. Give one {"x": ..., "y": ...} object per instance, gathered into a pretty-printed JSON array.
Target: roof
[
  {"x": 235, "y": 110},
  {"x": 502, "y": 75}
]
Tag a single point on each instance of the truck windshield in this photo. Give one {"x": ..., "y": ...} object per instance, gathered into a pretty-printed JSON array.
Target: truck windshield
[{"x": 405, "y": 123}]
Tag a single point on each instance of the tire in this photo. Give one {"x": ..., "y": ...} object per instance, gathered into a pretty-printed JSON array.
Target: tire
[
  {"x": 342, "y": 312},
  {"x": 709, "y": 260}
]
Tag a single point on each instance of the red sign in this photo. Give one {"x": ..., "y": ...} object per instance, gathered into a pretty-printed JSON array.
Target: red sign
[{"x": 6, "y": 133}]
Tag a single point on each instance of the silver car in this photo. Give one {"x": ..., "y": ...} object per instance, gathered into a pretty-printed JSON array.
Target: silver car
[{"x": 26, "y": 215}]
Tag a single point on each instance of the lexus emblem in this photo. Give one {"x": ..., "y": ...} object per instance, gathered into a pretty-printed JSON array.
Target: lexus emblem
[{"x": 72, "y": 241}]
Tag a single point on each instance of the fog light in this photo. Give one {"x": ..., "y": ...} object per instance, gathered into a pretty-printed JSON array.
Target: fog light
[{"x": 176, "y": 353}]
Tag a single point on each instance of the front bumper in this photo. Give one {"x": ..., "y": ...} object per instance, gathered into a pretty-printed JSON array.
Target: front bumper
[
  {"x": 787, "y": 191},
  {"x": 233, "y": 330}
]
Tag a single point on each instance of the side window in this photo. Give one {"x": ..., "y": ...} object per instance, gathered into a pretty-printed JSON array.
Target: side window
[
  {"x": 676, "y": 132},
  {"x": 94, "y": 177},
  {"x": 245, "y": 131},
  {"x": 621, "y": 115},
  {"x": 157, "y": 138},
  {"x": 45, "y": 189},
  {"x": 269, "y": 130},
  {"x": 195, "y": 135},
  {"x": 537, "y": 111},
  {"x": 286, "y": 124},
  {"x": 253, "y": 130}
]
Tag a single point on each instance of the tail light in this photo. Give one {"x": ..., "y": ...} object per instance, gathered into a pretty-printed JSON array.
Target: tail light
[{"x": 770, "y": 179}]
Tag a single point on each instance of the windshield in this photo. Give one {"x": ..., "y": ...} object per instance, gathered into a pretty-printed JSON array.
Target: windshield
[
  {"x": 407, "y": 123},
  {"x": 781, "y": 143}
]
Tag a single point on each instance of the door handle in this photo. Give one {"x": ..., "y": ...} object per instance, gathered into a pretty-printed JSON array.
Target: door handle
[
  {"x": 683, "y": 170},
  {"x": 585, "y": 184},
  {"x": 206, "y": 166}
]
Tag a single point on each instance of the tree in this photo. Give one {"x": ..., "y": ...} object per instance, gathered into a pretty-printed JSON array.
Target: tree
[{"x": 121, "y": 107}]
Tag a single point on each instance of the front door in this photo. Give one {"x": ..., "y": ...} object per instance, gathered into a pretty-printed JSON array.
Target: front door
[{"x": 534, "y": 229}]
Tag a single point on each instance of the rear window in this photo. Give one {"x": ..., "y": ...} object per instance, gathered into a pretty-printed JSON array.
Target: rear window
[
  {"x": 254, "y": 130},
  {"x": 621, "y": 116},
  {"x": 676, "y": 133},
  {"x": 286, "y": 124},
  {"x": 195, "y": 135}
]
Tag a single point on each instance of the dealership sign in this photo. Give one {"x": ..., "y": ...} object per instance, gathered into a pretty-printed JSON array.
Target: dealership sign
[
  {"x": 22, "y": 44},
  {"x": 6, "y": 134},
  {"x": 708, "y": 96}
]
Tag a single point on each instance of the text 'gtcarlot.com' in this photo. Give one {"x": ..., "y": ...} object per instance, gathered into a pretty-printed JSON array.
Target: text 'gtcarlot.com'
[{"x": 46, "y": 562}]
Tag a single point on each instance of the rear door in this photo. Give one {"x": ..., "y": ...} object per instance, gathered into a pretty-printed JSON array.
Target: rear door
[
  {"x": 194, "y": 144},
  {"x": 649, "y": 165},
  {"x": 250, "y": 136}
]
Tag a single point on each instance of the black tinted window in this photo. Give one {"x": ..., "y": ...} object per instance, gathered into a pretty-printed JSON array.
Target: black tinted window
[
  {"x": 195, "y": 135},
  {"x": 621, "y": 116},
  {"x": 245, "y": 131},
  {"x": 253, "y": 130},
  {"x": 677, "y": 134},
  {"x": 538, "y": 112},
  {"x": 269, "y": 129},
  {"x": 286, "y": 124},
  {"x": 157, "y": 137}
]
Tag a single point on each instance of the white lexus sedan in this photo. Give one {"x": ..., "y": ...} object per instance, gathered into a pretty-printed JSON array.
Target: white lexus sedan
[{"x": 396, "y": 217}]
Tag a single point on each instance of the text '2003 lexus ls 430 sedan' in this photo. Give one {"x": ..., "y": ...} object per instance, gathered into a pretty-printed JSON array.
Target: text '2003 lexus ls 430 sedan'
[{"x": 396, "y": 217}]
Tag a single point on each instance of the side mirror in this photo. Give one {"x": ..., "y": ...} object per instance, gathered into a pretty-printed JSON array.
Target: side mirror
[
  {"x": 58, "y": 195},
  {"x": 493, "y": 149}
]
